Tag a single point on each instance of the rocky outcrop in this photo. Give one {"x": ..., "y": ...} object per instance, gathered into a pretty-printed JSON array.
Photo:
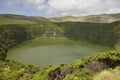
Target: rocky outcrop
[{"x": 59, "y": 74}]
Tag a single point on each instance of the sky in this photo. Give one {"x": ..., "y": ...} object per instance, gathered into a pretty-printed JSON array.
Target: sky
[{"x": 56, "y": 8}]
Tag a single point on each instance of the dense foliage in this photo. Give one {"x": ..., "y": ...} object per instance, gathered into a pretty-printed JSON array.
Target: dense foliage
[
  {"x": 13, "y": 34},
  {"x": 99, "y": 33}
]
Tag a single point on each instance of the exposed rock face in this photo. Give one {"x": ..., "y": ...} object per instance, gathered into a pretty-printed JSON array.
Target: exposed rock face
[{"x": 59, "y": 74}]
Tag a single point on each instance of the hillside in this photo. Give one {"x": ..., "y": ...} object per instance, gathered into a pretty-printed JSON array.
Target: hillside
[
  {"x": 98, "y": 33},
  {"x": 15, "y": 29},
  {"x": 103, "y": 18},
  {"x": 21, "y": 19}
]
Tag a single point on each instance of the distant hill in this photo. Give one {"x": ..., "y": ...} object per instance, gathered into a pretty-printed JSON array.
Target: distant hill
[
  {"x": 102, "y": 18},
  {"x": 21, "y": 19}
]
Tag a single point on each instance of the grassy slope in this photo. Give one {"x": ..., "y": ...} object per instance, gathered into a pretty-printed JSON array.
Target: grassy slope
[
  {"x": 104, "y": 18},
  {"x": 21, "y": 19}
]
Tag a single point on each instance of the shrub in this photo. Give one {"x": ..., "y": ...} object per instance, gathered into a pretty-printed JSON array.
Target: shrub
[
  {"x": 96, "y": 66},
  {"x": 108, "y": 75}
]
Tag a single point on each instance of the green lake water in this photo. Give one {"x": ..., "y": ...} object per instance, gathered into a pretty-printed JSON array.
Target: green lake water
[{"x": 48, "y": 51}]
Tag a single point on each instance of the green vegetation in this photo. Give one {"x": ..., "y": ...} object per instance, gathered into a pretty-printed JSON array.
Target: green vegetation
[
  {"x": 10, "y": 36},
  {"x": 102, "y": 18},
  {"x": 110, "y": 74},
  {"x": 15, "y": 29},
  {"x": 21, "y": 19},
  {"x": 13, "y": 34},
  {"x": 99, "y": 33},
  {"x": 89, "y": 68}
]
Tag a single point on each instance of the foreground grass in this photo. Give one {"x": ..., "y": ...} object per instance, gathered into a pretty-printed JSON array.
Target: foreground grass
[{"x": 110, "y": 74}]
